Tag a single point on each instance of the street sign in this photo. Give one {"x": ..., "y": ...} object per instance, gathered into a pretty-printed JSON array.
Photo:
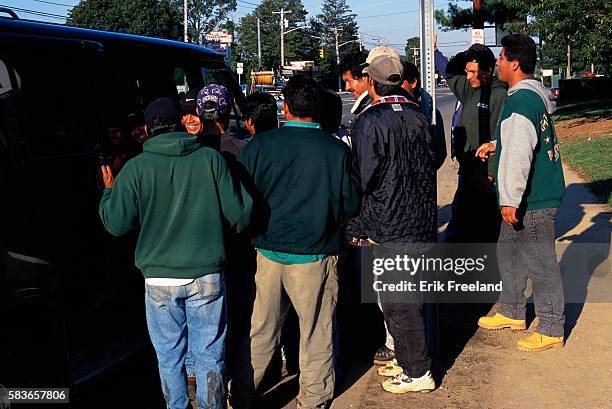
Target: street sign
[
  {"x": 219, "y": 36},
  {"x": 547, "y": 73},
  {"x": 478, "y": 36},
  {"x": 239, "y": 70},
  {"x": 239, "y": 65}
]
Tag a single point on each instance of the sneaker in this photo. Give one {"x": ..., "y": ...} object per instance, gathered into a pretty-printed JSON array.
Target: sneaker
[
  {"x": 384, "y": 355},
  {"x": 402, "y": 383},
  {"x": 391, "y": 369},
  {"x": 539, "y": 342},
  {"x": 499, "y": 321}
]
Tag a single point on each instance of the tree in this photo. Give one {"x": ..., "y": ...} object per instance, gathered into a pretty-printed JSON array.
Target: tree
[
  {"x": 499, "y": 12},
  {"x": 206, "y": 15},
  {"x": 411, "y": 44},
  {"x": 584, "y": 25},
  {"x": 155, "y": 18},
  {"x": 295, "y": 41},
  {"x": 335, "y": 14}
]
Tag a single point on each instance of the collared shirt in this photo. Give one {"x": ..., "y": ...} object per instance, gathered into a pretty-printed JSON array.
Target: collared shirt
[
  {"x": 358, "y": 102},
  {"x": 300, "y": 124},
  {"x": 288, "y": 258}
]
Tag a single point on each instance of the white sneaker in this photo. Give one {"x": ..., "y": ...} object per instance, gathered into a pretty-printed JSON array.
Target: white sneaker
[
  {"x": 402, "y": 383},
  {"x": 390, "y": 370}
]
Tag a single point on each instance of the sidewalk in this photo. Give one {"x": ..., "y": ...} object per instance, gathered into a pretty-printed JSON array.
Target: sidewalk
[
  {"x": 489, "y": 372},
  {"x": 484, "y": 369}
]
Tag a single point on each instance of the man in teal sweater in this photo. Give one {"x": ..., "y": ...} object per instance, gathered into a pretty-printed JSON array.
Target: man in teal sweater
[
  {"x": 180, "y": 194},
  {"x": 530, "y": 187},
  {"x": 303, "y": 176}
]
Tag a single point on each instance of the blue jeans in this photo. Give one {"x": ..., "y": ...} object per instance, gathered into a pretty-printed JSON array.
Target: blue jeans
[
  {"x": 193, "y": 316},
  {"x": 527, "y": 250}
]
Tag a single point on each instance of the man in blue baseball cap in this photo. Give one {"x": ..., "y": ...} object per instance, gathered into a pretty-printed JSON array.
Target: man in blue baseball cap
[{"x": 214, "y": 108}]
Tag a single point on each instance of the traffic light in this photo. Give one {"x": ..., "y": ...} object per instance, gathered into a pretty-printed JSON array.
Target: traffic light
[{"x": 322, "y": 53}]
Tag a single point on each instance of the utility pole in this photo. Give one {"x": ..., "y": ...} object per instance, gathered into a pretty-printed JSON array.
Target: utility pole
[
  {"x": 282, "y": 13},
  {"x": 478, "y": 28},
  {"x": 336, "y": 33},
  {"x": 185, "y": 7},
  {"x": 259, "y": 42},
  {"x": 568, "y": 70},
  {"x": 428, "y": 73},
  {"x": 360, "y": 43}
]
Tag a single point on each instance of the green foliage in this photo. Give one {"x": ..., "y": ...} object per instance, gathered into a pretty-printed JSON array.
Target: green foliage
[
  {"x": 493, "y": 11},
  {"x": 590, "y": 157},
  {"x": 411, "y": 43},
  {"x": 585, "y": 25},
  {"x": 335, "y": 14},
  {"x": 155, "y": 18},
  {"x": 206, "y": 15},
  {"x": 295, "y": 41}
]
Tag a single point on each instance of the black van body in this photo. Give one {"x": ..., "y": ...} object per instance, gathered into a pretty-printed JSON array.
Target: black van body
[{"x": 71, "y": 300}]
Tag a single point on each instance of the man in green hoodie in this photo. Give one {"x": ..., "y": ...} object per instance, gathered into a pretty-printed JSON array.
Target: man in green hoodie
[
  {"x": 530, "y": 187},
  {"x": 181, "y": 195}
]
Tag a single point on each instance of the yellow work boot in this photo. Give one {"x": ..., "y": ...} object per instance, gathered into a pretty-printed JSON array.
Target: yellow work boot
[
  {"x": 499, "y": 321},
  {"x": 539, "y": 342}
]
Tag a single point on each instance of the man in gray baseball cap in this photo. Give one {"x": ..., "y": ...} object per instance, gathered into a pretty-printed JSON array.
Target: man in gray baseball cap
[{"x": 394, "y": 153}]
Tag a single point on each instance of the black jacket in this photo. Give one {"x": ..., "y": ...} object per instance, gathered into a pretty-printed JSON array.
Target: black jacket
[{"x": 396, "y": 171}]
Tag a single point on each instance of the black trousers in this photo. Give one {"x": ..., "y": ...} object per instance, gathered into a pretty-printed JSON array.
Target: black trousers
[{"x": 406, "y": 325}]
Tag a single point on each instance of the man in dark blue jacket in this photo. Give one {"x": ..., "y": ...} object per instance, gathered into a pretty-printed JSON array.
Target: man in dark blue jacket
[{"x": 395, "y": 166}]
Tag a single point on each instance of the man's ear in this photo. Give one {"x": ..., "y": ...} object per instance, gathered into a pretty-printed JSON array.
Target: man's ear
[
  {"x": 146, "y": 129},
  {"x": 515, "y": 65},
  {"x": 285, "y": 108}
]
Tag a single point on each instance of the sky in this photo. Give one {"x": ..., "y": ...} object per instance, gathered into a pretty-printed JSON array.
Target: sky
[{"x": 384, "y": 22}]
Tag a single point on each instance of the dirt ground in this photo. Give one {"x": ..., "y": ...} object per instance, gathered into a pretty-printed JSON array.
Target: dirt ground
[
  {"x": 579, "y": 128},
  {"x": 484, "y": 369}
]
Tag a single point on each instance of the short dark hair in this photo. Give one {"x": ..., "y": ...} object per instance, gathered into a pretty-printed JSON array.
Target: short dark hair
[
  {"x": 521, "y": 48},
  {"x": 261, "y": 109},
  {"x": 411, "y": 72},
  {"x": 386, "y": 90},
  {"x": 330, "y": 116},
  {"x": 302, "y": 96},
  {"x": 354, "y": 63}
]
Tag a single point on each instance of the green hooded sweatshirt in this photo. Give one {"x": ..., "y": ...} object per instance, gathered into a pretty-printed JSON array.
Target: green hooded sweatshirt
[{"x": 180, "y": 193}]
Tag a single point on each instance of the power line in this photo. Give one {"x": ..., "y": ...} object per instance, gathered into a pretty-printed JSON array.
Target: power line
[
  {"x": 390, "y": 14},
  {"x": 55, "y": 4},
  {"x": 36, "y": 13}
]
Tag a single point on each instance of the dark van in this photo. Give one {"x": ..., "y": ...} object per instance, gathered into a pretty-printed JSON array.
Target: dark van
[{"x": 71, "y": 300}]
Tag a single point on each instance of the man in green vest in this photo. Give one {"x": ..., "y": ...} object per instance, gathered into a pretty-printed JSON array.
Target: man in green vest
[{"x": 530, "y": 186}]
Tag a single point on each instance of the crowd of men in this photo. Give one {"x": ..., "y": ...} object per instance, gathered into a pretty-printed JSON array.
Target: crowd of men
[{"x": 213, "y": 209}]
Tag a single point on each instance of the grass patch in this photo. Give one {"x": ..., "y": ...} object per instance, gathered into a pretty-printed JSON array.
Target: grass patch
[{"x": 592, "y": 158}]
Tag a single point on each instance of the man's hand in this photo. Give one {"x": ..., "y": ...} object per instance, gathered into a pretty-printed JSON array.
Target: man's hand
[
  {"x": 485, "y": 151},
  {"x": 509, "y": 215},
  {"x": 435, "y": 41},
  {"x": 107, "y": 176}
]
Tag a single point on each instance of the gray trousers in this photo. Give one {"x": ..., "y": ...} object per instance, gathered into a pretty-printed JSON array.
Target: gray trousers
[{"x": 527, "y": 250}]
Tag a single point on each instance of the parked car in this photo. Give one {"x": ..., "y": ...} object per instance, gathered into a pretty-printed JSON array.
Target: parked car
[
  {"x": 71, "y": 300},
  {"x": 555, "y": 92}
]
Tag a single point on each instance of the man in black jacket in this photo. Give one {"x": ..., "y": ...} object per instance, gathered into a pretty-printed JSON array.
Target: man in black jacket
[{"x": 395, "y": 166}]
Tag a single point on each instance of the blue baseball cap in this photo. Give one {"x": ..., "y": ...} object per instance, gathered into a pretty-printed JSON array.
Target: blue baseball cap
[{"x": 212, "y": 98}]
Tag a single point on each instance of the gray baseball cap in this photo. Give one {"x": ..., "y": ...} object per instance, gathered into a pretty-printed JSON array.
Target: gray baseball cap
[{"x": 386, "y": 70}]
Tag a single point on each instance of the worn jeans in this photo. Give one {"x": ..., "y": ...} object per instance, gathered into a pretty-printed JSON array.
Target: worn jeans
[
  {"x": 527, "y": 250},
  {"x": 194, "y": 315},
  {"x": 312, "y": 289}
]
